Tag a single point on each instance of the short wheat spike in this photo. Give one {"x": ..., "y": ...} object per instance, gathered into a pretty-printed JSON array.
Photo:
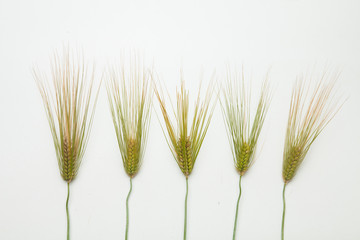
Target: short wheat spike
[
  {"x": 236, "y": 112},
  {"x": 70, "y": 108},
  {"x": 308, "y": 116},
  {"x": 242, "y": 135},
  {"x": 130, "y": 101},
  {"x": 185, "y": 141}
]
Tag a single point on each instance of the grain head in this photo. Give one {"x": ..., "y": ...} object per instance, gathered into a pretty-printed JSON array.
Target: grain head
[
  {"x": 130, "y": 104},
  {"x": 185, "y": 141},
  {"x": 309, "y": 113},
  {"x": 242, "y": 135},
  {"x": 70, "y": 108}
]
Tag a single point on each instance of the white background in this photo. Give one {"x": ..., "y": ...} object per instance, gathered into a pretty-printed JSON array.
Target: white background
[{"x": 290, "y": 36}]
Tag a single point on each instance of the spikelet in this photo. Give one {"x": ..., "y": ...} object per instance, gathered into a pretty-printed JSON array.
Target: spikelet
[
  {"x": 184, "y": 142},
  {"x": 69, "y": 109},
  {"x": 304, "y": 127},
  {"x": 130, "y": 104},
  {"x": 236, "y": 112}
]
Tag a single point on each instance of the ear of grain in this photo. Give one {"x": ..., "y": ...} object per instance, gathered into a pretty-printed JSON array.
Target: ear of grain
[
  {"x": 183, "y": 140},
  {"x": 69, "y": 107},
  {"x": 130, "y": 103},
  {"x": 307, "y": 118},
  {"x": 184, "y": 156},
  {"x": 291, "y": 163},
  {"x": 235, "y": 105},
  {"x": 67, "y": 168},
  {"x": 243, "y": 158},
  {"x": 133, "y": 157}
]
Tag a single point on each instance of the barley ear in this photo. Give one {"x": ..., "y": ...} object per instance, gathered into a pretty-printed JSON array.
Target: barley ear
[
  {"x": 130, "y": 104},
  {"x": 70, "y": 107},
  {"x": 307, "y": 118},
  {"x": 183, "y": 140},
  {"x": 243, "y": 136}
]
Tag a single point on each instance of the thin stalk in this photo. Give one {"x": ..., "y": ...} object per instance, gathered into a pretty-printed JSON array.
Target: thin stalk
[
  {"x": 283, "y": 215},
  {"x": 67, "y": 211},
  {"x": 185, "y": 217},
  {"x": 127, "y": 211},
  {"x": 237, "y": 208}
]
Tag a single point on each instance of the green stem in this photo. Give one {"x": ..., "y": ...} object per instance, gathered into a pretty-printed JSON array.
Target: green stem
[
  {"x": 283, "y": 215},
  {"x": 127, "y": 211},
  {"x": 67, "y": 211},
  {"x": 237, "y": 208},
  {"x": 185, "y": 217}
]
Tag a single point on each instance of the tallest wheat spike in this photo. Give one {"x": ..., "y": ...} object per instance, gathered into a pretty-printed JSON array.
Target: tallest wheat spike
[
  {"x": 309, "y": 114},
  {"x": 69, "y": 106}
]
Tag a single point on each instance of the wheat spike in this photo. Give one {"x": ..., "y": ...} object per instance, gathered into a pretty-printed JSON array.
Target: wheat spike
[
  {"x": 308, "y": 116},
  {"x": 132, "y": 161},
  {"x": 243, "y": 158},
  {"x": 130, "y": 102},
  {"x": 184, "y": 156},
  {"x": 69, "y": 111},
  {"x": 291, "y": 163},
  {"x": 236, "y": 112},
  {"x": 68, "y": 161},
  {"x": 185, "y": 142}
]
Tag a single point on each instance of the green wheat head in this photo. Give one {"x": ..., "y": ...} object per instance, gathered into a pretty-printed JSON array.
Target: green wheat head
[
  {"x": 69, "y": 109},
  {"x": 185, "y": 141},
  {"x": 130, "y": 101},
  {"x": 236, "y": 111},
  {"x": 308, "y": 116}
]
